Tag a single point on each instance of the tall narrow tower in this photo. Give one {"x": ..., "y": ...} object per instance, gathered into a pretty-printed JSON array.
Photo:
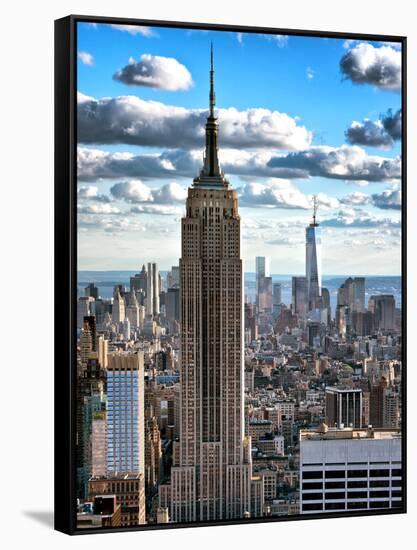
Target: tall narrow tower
[
  {"x": 211, "y": 473},
  {"x": 313, "y": 261}
]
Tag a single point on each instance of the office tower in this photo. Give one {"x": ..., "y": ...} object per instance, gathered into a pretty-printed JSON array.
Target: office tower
[
  {"x": 173, "y": 279},
  {"x": 172, "y": 308},
  {"x": 349, "y": 469},
  {"x": 325, "y": 302},
  {"x": 299, "y": 296},
  {"x": 132, "y": 311},
  {"x": 125, "y": 414},
  {"x": 363, "y": 323},
  {"x": 352, "y": 294},
  {"x": 344, "y": 407},
  {"x": 211, "y": 473},
  {"x": 383, "y": 307},
  {"x": 313, "y": 262},
  {"x": 152, "y": 290},
  {"x": 85, "y": 308},
  {"x": 118, "y": 308},
  {"x": 139, "y": 281},
  {"x": 376, "y": 404},
  {"x": 277, "y": 294},
  {"x": 263, "y": 285},
  {"x": 313, "y": 333},
  {"x": 102, "y": 350},
  {"x": 91, "y": 291}
]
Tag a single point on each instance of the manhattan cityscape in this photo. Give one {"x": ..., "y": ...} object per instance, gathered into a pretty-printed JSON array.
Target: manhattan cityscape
[{"x": 207, "y": 391}]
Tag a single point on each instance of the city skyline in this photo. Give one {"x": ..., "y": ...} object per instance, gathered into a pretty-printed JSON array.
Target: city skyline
[
  {"x": 201, "y": 397},
  {"x": 278, "y": 148}
]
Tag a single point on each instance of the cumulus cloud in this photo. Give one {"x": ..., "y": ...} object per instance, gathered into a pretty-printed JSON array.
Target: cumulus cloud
[
  {"x": 390, "y": 199},
  {"x": 381, "y": 133},
  {"x": 345, "y": 163},
  {"x": 98, "y": 209},
  {"x": 377, "y": 66},
  {"x": 156, "y": 209},
  {"x": 350, "y": 217},
  {"x": 155, "y": 71},
  {"x": 134, "y": 121},
  {"x": 135, "y": 191},
  {"x": 91, "y": 193},
  {"x": 94, "y": 164},
  {"x": 356, "y": 199},
  {"x": 86, "y": 58},
  {"x": 349, "y": 163},
  {"x": 278, "y": 193}
]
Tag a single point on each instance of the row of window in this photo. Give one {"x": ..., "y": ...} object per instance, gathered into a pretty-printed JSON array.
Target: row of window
[
  {"x": 341, "y": 495},
  {"x": 313, "y": 507},
  {"x": 337, "y": 474},
  {"x": 351, "y": 484}
]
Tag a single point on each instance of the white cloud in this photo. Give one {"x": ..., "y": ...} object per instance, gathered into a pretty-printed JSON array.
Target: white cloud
[
  {"x": 135, "y": 29},
  {"x": 279, "y": 193},
  {"x": 86, "y": 58},
  {"x": 135, "y": 191},
  {"x": 90, "y": 192},
  {"x": 131, "y": 120},
  {"x": 355, "y": 218},
  {"x": 390, "y": 199},
  {"x": 281, "y": 40},
  {"x": 377, "y": 66},
  {"x": 310, "y": 73},
  {"x": 165, "y": 73},
  {"x": 382, "y": 133},
  {"x": 356, "y": 199},
  {"x": 98, "y": 209},
  {"x": 345, "y": 162},
  {"x": 156, "y": 209}
]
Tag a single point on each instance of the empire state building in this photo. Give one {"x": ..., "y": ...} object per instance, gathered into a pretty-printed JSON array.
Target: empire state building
[{"x": 211, "y": 477}]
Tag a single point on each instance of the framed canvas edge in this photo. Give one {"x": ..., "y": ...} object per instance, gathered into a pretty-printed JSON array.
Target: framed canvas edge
[{"x": 65, "y": 266}]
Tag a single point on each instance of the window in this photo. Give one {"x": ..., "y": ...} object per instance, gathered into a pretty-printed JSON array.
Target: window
[
  {"x": 335, "y": 474},
  {"x": 312, "y": 475}
]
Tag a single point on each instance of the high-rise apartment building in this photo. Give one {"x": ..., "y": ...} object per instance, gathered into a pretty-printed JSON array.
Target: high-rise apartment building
[{"x": 211, "y": 473}]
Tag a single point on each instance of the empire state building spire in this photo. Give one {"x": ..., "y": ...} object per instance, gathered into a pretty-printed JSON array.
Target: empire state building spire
[{"x": 211, "y": 175}]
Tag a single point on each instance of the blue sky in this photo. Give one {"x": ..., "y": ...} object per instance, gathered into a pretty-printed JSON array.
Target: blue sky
[{"x": 290, "y": 94}]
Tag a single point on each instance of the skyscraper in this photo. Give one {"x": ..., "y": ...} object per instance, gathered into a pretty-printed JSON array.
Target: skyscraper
[
  {"x": 313, "y": 262},
  {"x": 118, "y": 310},
  {"x": 263, "y": 285},
  {"x": 125, "y": 414},
  {"x": 152, "y": 290},
  {"x": 211, "y": 473},
  {"x": 383, "y": 307},
  {"x": 299, "y": 296}
]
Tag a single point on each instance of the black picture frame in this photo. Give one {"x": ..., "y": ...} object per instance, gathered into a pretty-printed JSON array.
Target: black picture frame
[{"x": 65, "y": 175}]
